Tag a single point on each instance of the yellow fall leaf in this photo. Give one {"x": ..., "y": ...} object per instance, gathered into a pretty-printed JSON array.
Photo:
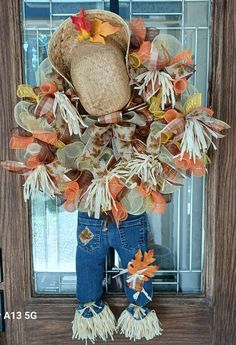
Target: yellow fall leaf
[
  {"x": 102, "y": 29},
  {"x": 97, "y": 39},
  {"x": 83, "y": 36}
]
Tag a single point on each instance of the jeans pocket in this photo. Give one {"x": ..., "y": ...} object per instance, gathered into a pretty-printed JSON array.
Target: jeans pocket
[
  {"x": 133, "y": 233},
  {"x": 89, "y": 234}
]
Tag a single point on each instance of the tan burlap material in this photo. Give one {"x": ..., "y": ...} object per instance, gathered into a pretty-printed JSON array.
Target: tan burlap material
[{"x": 97, "y": 72}]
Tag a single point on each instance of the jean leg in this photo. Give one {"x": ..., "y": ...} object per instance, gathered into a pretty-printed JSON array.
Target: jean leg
[
  {"x": 127, "y": 240},
  {"x": 142, "y": 300},
  {"x": 90, "y": 259}
]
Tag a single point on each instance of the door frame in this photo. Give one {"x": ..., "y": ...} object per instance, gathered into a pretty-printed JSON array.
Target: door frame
[{"x": 186, "y": 320}]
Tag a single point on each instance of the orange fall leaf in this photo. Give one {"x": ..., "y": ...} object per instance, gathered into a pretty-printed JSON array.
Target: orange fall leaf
[
  {"x": 102, "y": 29},
  {"x": 143, "y": 262}
]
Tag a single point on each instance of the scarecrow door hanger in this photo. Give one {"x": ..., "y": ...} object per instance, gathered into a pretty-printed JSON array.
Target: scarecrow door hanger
[{"x": 160, "y": 119}]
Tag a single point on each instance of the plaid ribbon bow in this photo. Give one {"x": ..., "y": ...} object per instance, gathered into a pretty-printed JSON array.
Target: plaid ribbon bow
[
  {"x": 96, "y": 138},
  {"x": 45, "y": 104}
]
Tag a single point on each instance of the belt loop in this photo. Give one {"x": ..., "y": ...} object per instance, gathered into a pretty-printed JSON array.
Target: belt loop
[{"x": 105, "y": 223}]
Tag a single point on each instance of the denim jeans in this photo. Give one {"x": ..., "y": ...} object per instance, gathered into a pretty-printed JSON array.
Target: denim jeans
[{"x": 91, "y": 254}]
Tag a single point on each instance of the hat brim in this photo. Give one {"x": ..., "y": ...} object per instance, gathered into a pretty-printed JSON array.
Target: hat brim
[{"x": 63, "y": 40}]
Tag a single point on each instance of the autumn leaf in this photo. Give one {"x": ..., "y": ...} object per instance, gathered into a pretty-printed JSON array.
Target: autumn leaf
[
  {"x": 101, "y": 29},
  {"x": 94, "y": 31},
  {"x": 83, "y": 36},
  {"x": 148, "y": 257},
  {"x": 142, "y": 262},
  {"x": 80, "y": 22}
]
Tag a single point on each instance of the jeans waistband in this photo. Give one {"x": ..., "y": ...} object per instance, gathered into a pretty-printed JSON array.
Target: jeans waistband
[{"x": 104, "y": 216}]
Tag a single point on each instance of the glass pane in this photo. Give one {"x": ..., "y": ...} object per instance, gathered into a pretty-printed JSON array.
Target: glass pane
[
  {"x": 178, "y": 236},
  {"x": 196, "y": 13},
  {"x": 36, "y": 14},
  {"x": 159, "y": 7}
]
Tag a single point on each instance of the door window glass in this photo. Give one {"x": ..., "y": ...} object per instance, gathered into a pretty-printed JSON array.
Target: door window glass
[{"x": 178, "y": 236}]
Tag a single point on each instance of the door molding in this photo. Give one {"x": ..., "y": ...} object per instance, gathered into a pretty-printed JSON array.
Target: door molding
[
  {"x": 221, "y": 206},
  {"x": 13, "y": 213},
  {"x": 186, "y": 320}
]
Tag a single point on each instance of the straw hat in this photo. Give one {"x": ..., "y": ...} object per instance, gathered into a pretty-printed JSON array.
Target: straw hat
[{"x": 98, "y": 72}]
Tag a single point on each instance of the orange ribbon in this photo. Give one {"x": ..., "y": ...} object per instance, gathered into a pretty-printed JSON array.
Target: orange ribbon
[
  {"x": 48, "y": 88},
  {"x": 182, "y": 57},
  {"x": 180, "y": 85},
  {"x": 119, "y": 212},
  {"x": 186, "y": 163},
  {"x": 71, "y": 193},
  {"x": 46, "y": 137},
  {"x": 209, "y": 111},
  {"x": 139, "y": 30},
  {"x": 144, "y": 51},
  {"x": 157, "y": 200},
  {"x": 143, "y": 190},
  {"x": 33, "y": 162},
  {"x": 18, "y": 142},
  {"x": 171, "y": 115}
]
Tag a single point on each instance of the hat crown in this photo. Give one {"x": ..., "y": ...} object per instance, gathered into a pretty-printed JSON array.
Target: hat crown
[{"x": 99, "y": 75}]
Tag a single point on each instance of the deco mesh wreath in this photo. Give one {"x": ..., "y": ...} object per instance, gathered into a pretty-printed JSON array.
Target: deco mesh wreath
[{"x": 116, "y": 155}]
